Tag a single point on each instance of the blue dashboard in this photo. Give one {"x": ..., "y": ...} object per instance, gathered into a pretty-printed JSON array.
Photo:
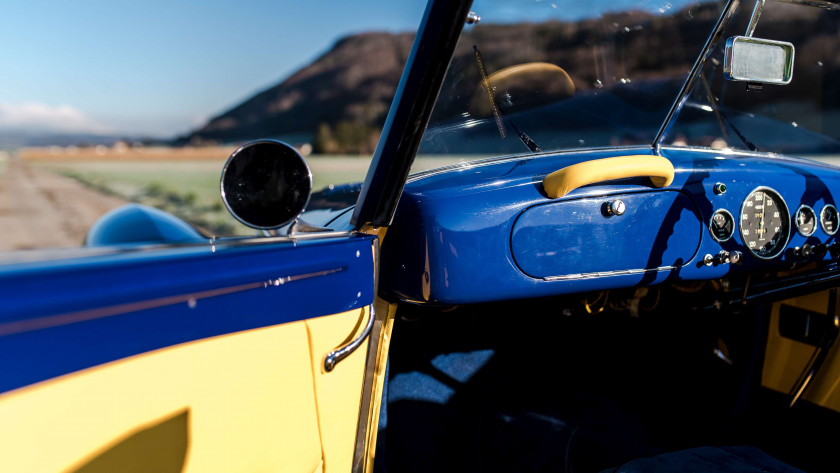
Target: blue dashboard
[{"x": 486, "y": 231}]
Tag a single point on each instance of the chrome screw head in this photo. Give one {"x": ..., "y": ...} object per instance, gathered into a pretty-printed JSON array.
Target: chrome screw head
[{"x": 617, "y": 207}]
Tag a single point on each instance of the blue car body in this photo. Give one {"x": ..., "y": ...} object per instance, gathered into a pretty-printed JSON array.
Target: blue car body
[{"x": 481, "y": 323}]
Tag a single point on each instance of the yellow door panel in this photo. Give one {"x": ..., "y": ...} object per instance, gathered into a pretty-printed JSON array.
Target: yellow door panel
[
  {"x": 160, "y": 447},
  {"x": 239, "y": 402},
  {"x": 785, "y": 359},
  {"x": 338, "y": 391}
]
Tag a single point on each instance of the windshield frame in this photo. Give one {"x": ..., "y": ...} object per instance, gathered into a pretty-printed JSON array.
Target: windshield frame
[
  {"x": 711, "y": 42},
  {"x": 410, "y": 111},
  {"x": 811, "y": 147}
]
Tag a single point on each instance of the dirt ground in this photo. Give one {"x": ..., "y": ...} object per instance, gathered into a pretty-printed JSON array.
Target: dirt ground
[{"x": 42, "y": 210}]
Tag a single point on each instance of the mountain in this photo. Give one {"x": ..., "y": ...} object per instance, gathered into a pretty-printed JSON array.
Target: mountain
[{"x": 353, "y": 82}]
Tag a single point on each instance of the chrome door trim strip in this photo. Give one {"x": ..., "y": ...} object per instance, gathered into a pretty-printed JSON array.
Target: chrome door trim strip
[{"x": 29, "y": 325}]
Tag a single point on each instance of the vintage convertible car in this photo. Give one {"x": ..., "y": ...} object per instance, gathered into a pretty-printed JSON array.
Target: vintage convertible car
[{"x": 637, "y": 271}]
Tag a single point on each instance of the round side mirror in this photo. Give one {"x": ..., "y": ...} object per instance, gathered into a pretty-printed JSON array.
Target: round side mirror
[{"x": 266, "y": 184}]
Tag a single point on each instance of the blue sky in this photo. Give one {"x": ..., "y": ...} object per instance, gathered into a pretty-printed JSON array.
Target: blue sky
[{"x": 161, "y": 68}]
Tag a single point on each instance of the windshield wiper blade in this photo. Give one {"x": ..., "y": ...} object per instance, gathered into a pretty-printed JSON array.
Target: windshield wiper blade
[
  {"x": 526, "y": 140},
  {"x": 497, "y": 112}
]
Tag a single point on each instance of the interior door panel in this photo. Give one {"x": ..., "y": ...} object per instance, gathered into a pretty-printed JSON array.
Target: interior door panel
[{"x": 212, "y": 352}]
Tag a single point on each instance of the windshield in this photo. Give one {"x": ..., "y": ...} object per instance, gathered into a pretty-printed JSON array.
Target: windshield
[
  {"x": 800, "y": 118},
  {"x": 545, "y": 76}
]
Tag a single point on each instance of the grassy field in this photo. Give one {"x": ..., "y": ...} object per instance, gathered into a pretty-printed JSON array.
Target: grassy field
[
  {"x": 185, "y": 181},
  {"x": 4, "y": 158}
]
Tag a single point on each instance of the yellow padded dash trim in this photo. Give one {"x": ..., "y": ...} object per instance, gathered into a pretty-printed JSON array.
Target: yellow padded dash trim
[{"x": 563, "y": 181}]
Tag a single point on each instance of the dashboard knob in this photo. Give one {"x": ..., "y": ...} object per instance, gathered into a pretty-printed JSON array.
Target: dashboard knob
[
  {"x": 736, "y": 257},
  {"x": 820, "y": 250},
  {"x": 708, "y": 260},
  {"x": 616, "y": 207},
  {"x": 723, "y": 257},
  {"x": 804, "y": 251}
]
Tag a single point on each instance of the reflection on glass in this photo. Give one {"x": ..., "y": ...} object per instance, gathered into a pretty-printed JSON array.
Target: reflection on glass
[
  {"x": 801, "y": 118},
  {"x": 545, "y": 76}
]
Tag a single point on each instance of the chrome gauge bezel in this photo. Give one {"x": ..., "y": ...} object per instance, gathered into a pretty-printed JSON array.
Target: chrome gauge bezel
[
  {"x": 711, "y": 222},
  {"x": 784, "y": 245},
  {"x": 822, "y": 214},
  {"x": 796, "y": 220}
]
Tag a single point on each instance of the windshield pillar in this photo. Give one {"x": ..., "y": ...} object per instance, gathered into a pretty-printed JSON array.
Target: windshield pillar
[{"x": 410, "y": 111}]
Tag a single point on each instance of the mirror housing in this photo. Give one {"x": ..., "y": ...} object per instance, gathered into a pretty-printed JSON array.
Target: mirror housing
[
  {"x": 266, "y": 184},
  {"x": 757, "y": 60}
]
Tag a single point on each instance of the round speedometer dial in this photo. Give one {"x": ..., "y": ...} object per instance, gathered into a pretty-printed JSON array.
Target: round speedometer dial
[{"x": 765, "y": 223}]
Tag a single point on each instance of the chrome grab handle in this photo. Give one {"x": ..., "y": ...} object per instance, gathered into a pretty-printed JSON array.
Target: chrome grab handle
[{"x": 344, "y": 351}]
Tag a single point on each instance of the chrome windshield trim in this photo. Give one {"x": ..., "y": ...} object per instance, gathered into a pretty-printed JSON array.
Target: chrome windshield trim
[
  {"x": 739, "y": 153},
  {"x": 725, "y": 152},
  {"x": 517, "y": 157},
  {"x": 714, "y": 37}
]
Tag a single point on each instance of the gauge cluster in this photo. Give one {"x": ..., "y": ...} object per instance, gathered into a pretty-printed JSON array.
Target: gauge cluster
[{"x": 767, "y": 228}]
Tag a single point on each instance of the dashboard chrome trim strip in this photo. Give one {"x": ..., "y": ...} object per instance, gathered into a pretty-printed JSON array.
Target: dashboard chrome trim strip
[{"x": 603, "y": 274}]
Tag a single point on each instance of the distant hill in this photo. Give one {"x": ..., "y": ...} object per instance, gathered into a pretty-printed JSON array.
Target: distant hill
[{"x": 353, "y": 82}]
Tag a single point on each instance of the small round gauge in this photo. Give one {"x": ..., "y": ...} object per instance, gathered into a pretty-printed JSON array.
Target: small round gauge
[
  {"x": 765, "y": 223},
  {"x": 722, "y": 225},
  {"x": 806, "y": 220},
  {"x": 829, "y": 219}
]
